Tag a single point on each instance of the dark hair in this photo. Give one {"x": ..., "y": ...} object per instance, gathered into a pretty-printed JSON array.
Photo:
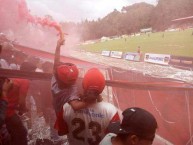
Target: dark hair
[
  {"x": 91, "y": 95},
  {"x": 27, "y": 66},
  {"x": 46, "y": 65},
  {"x": 139, "y": 122},
  {"x": 34, "y": 60},
  {"x": 123, "y": 137}
]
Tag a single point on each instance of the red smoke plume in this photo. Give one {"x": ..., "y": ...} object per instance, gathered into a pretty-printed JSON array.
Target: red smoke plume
[{"x": 25, "y": 14}]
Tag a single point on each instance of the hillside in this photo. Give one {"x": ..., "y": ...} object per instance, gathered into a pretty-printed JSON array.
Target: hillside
[
  {"x": 167, "y": 10},
  {"x": 135, "y": 17}
]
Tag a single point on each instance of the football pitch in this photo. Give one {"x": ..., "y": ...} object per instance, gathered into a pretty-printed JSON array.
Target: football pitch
[{"x": 179, "y": 43}]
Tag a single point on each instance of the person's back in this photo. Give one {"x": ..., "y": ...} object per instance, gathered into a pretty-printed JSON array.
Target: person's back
[
  {"x": 16, "y": 101},
  {"x": 19, "y": 86},
  {"x": 88, "y": 126}
]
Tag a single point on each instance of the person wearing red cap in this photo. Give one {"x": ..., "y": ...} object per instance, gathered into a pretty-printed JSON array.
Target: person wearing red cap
[
  {"x": 63, "y": 86},
  {"x": 88, "y": 126},
  {"x": 17, "y": 102}
]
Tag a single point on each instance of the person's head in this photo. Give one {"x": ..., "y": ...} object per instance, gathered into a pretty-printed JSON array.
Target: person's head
[
  {"x": 33, "y": 59},
  {"x": 5, "y": 85},
  {"x": 6, "y": 53},
  {"x": 93, "y": 84},
  {"x": 19, "y": 57},
  {"x": 47, "y": 67},
  {"x": 66, "y": 74},
  {"x": 27, "y": 66},
  {"x": 138, "y": 127}
]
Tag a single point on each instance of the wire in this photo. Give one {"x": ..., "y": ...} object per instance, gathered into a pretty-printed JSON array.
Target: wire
[
  {"x": 160, "y": 114},
  {"x": 189, "y": 118}
]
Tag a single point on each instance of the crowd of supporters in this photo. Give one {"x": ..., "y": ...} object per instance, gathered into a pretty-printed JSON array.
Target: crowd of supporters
[
  {"x": 83, "y": 117},
  {"x": 21, "y": 92}
]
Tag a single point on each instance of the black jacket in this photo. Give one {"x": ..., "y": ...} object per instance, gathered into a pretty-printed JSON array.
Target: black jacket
[{"x": 3, "y": 107}]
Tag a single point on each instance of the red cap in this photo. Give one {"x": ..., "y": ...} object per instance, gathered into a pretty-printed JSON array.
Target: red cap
[
  {"x": 93, "y": 80},
  {"x": 67, "y": 73}
]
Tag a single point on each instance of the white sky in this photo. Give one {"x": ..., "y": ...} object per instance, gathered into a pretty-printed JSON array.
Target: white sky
[{"x": 77, "y": 10}]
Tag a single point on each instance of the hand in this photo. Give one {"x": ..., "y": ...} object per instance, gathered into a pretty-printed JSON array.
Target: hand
[{"x": 61, "y": 41}]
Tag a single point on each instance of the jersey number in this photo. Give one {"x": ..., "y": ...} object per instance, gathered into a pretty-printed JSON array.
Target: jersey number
[{"x": 94, "y": 126}]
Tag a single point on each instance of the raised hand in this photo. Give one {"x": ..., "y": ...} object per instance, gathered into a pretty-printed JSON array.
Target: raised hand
[{"x": 60, "y": 42}]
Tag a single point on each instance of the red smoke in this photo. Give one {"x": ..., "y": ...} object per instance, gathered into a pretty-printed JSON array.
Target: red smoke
[
  {"x": 25, "y": 14},
  {"x": 18, "y": 24}
]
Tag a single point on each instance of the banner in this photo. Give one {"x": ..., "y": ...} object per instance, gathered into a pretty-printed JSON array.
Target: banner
[
  {"x": 106, "y": 53},
  {"x": 157, "y": 58},
  {"x": 132, "y": 56},
  {"x": 116, "y": 54},
  {"x": 181, "y": 61}
]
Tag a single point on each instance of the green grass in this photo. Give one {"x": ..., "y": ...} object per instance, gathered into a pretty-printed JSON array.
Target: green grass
[{"x": 175, "y": 43}]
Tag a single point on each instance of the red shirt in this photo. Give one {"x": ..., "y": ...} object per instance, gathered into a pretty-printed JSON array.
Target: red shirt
[{"x": 20, "y": 87}]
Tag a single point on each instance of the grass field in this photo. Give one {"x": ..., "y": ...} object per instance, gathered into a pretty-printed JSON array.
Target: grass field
[{"x": 178, "y": 43}]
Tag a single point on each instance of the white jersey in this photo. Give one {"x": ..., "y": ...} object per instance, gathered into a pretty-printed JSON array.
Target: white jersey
[
  {"x": 107, "y": 139},
  {"x": 88, "y": 126}
]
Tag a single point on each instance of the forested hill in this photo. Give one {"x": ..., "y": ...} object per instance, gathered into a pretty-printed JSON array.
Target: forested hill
[
  {"x": 135, "y": 17},
  {"x": 167, "y": 10}
]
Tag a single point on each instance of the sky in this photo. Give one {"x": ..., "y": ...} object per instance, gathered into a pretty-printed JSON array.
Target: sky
[{"x": 78, "y": 10}]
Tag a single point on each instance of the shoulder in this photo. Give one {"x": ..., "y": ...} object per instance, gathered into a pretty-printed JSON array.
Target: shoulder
[
  {"x": 67, "y": 108},
  {"x": 66, "y": 105},
  {"x": 111, "y": 111},
  {"x": 3, "y": 61},
  {"x": 4, "y": 64},
  {"x": 108, "y": 109},
  {"x": 13, "y": 66},
  {"x": 21, "y": 82},
  {"x": 68, "y": 112},
  {"x": 108, "y": 106},
  {"x": 107, "y": 139}
]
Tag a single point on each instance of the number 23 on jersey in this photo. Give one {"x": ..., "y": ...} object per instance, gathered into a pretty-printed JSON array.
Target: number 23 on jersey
[{"x": 81, "y": 127}]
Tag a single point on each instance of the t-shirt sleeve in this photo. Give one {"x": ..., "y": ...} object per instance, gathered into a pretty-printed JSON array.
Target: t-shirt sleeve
[
  {"x": 54, "y": 86},
  {"x": 73, "y": 93},
  {"x": 62, "y": 96},
  {"x": 113, "y": 114},
  {"x": 114, "y": 118}
]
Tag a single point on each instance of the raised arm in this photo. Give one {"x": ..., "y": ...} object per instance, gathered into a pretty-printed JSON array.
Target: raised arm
[{"x": 57, "y": 53}]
